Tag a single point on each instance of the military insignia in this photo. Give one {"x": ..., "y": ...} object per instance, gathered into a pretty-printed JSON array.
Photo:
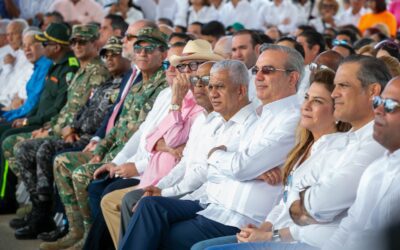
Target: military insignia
[
  {"x": 69, "y": 76},
  {"x": 73, "y": 62}
]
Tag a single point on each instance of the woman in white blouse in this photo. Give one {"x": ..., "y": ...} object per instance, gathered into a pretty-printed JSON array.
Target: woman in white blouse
[
  {"x": 316, "y": 129},
  {"x": 327, "y": 19}
]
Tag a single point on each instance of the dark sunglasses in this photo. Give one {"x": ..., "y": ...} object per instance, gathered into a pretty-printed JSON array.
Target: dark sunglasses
[
  {"x": 166, "y": 64},
  {"x": 266, "y": 70},
  {"x": 47, "y": 43},
  {"x": 337, "y": 42},
  {"x": 192, "y": 66},
  {"x": 389, "y": 105},
  {"x": 74, "y": 42},
  {"x": 130, "y": 37},
  {"x": 147, "y": 49},
  {"x": 205, "y": 80}
]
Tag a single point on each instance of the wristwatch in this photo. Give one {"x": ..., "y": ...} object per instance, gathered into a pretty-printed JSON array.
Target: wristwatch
[
  {"x": 174, "y": 107},
  {"x": 275, "y": 235}
]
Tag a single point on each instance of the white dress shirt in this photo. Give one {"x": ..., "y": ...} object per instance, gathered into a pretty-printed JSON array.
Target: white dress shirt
[
  {"x": 347, "y": 17},
  {"x": 204, "y": 15},
  {"x": 191, "y": 172},
  {"x": 377, "y": 203},
  {"x": 304, "y": 11},
  {"x": 252, "y": 90},
  {"x": 304, "y": 84},
  {"x": 135, "y": 148},
  {"x": 164, "y": 9},
  {"x": 30, "y": 8},
  {"x": 241, "y": 13},
  {"x": 13, "y": 78},
  {"x": 320, "y": 25},
  {"x": 6, "y": 49},
  {"x": 332, "y": 188},
  {"x": 274, "y": 15},
  {"x": 236, "y": 198}
]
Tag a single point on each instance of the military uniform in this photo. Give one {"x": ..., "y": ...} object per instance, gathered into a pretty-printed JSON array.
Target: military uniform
[
  {"x": 31, "y": 161},
  {"x": 71, "y": 177},
  {"x": 52, "y": 99}
]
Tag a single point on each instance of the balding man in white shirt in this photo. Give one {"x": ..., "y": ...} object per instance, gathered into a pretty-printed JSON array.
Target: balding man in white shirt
[{"x": 378, "y": 195}]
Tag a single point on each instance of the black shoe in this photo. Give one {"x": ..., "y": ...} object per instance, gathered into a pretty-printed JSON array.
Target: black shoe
[
  {"x": 33, "y": 229},
  {"x": 17, "y": 223},
  {"x": 53, "y": 235}
]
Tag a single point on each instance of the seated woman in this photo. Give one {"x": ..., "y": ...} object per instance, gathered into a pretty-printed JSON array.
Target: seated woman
[{"x": 315, "y": 131}]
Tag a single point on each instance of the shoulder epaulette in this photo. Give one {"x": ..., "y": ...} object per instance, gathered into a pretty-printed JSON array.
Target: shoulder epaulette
[{"x": 73, "y": 62}]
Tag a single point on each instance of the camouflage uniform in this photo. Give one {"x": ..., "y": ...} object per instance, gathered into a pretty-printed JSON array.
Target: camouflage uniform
[{"x": 71, "y": 170}]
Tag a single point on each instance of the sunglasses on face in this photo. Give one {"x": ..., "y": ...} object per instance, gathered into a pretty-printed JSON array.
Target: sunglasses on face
[
  {"x": 166, "y": 65},
  {"x": 204, "y": 80},
  {"x": 192, "y": 66},
  {"x": 314, "y": 67},
  {"x": 147, "y": 49},
  {"x": 130, "y": 37},
  {"x": 337, "y": 42},
  {"x": 389, "y": 105},
  {"x": 266, "y": 70},
  {"x": 78, "y": 42}
]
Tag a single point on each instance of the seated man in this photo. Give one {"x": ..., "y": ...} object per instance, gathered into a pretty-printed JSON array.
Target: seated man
[
  {"x": 233, "y": 166},
  {"x": 51, "y": 101}
]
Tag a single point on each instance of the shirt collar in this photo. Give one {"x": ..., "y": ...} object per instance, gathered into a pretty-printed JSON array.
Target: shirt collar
[
  {"x": 277, "y": 106},
  {"x": 241, "y": 116},
  {"x": 362, "y": 132}
]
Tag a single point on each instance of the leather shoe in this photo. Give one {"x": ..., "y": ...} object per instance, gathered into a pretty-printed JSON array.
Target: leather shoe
[
  {"x": 32, "y": 230},
  {"x": 17, "y": 223},
  {"x": 53, "y": 235}
]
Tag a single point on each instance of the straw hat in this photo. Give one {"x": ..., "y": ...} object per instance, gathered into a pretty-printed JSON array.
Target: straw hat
[{"x": 198, "y": 49}]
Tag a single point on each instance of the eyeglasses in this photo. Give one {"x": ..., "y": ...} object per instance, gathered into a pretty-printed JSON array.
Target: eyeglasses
[
  {"x": 389, "y": 105},
  {"x": 130, "y": 37},
  {"x": 315, "y": 66},
  {"x": 166, "y": 64},
  {"x": 387, "y": 44},
  {"x": 266, "y": 70},
  {"x": 205, "y": 80},
  {"x": 47, "y": 43},
  {"x": 74, "y": 42},
  {"x": 192, "y": 66},
  {"x": 337, "y": 42},
  {"x": 147, "y": 49}
]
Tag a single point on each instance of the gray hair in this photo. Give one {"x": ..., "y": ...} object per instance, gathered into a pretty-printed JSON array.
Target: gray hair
[
  {"x": 237, "y": 71},
  {"x": 3, "y": 26},
  {"x": 23, "y": 24},
  {"x": 31, "y": 31},
  {"x": 294, "y": 61},
  {"x": 372, "y": 70}
]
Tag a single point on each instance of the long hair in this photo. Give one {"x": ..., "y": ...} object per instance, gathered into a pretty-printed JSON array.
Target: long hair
[{"x": 304, "y": 137}]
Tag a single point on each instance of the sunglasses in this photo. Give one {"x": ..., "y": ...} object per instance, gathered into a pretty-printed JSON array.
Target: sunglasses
[
  {"x": 192, "y": 66},
  {"x": 389, "y": 105},
  {"x": 204, "y": 80},
  {"x": 315, "y": 66},
  {"x": 337, "y": 42},
  {"x": 147, "y": 49},
  {"x": 266, "y": 70},
  {"x": 47, "y": 43},
  {"x": 74, "y": 42},
  {"x": 130, "y": 37},
  {"x": 166, "y": 64}
]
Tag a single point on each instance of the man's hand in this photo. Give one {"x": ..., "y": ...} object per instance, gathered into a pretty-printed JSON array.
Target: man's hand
[
  {"x": 18, "y": 123},
  {"x": 253, "y": 234},
  {"x": 126, "y": 170},
  {"x": 104, "y": 168},
  {"x": 272, "y": 176},
  {"x": 40, "y": 133},
  {"x": 90, "y": 147},
  {"x": 9, "y": 59},
  {"x": 180, "y": 87},
  {"x": 222, "y": 147},
  {"x": 96, "y": 159},
  {"x": 152, "y": 191}
]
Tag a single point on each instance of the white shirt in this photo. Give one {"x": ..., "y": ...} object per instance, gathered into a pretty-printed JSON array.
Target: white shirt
[
  {"x": 279, "y": 216},
  {"x": 252, "y": 90},
  {"x": 30, "y": 8},
  {"x": 333, "y": 188},
  {"x": 204, "y": 15},
  {"x": 274, "y": 15},
  {"x": 377, "y": 203},
  {"x": 191, "y": 172},
  {"x": 347, "y": 17},
  {"x": 303, "y": 12},
  {"x": 13, "y": 78},
  {"x": 320, "y": 26},
  {"x": 3, "y": 52},
  {"x": 134, "y": 150},
  {"x": 235, "y": 197},
  {"x": 241, "y": 13},
  {"x": 153, "y": 11}
]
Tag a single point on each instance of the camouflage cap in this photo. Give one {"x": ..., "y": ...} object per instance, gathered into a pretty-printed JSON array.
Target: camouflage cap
[
  {"x": 152, "y": 35},
  {"x": 113, "y": 44},
  {"x": 56, "y": 32},
  {"x": 85, "y": 32}
]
